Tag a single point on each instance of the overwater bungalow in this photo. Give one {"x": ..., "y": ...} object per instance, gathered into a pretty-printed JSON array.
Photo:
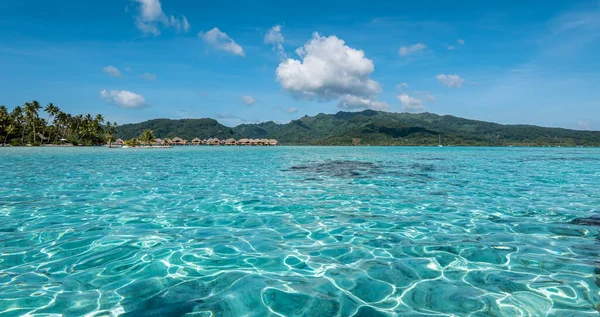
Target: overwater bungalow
[
  {"x": 263, "y": 142},
  {"x": 159, "y": 141},
  {"x": 196, "y": 141},
  {"x": 213, "y": 141},
  {"x": 205, "y": 141},
  {"x": 117, "y": 142},
  {"x": 272, "y": 142},
  {"x": 254, "y": 142},
  {"x": 243, "y": 142},
  {"x": 178, "y": 141},
  {"x": 230, "y": 141}
]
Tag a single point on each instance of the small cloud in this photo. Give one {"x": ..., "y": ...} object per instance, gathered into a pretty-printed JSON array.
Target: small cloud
[
  {"x": 349, "y": 102},
  {"x": 112, "y": 71},
  {"x": 402, "y": 86},
  {"x": 248, "y": 100},
  {"x": 450, "y": 80},
  {"x": 151, "y": 16},
  {"x": 123, "y": 98},
  {"x": 411, "y": 104},
  {"x": 275, "y": 38},
  {"x": 584, "y": 125},
  {"x": 221, "y": 41},
  {"x": 450, "y": 47},
  {"x": 274, "y": 35},
  {"x": 409, "y": 50},
  {"x": 292, "y": 110},
  {"x": 179, "y": 24},
  {"x": 186, "y": 24},
  {"x": 149, "y": 76},
  {"x": 461, "y": 42}
]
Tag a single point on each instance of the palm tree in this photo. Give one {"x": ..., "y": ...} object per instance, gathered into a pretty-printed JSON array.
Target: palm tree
[
  {"x": 19, "y": 119},
  {"x": 31, "y": 115},
  {"x": 9, "y": 130},
  {"x": 52, "y": 112},
  {"x": 4, "y": 120},
  {"x": 109, "y": 132},
  {"x": 147, "y": 137}
]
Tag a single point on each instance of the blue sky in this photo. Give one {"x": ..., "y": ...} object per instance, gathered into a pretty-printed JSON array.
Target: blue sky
[{"x": 531, "y": 62}]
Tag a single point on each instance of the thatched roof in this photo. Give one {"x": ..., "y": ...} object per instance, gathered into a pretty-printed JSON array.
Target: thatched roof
[
  {"x": 196, "y": 140},
  {"x": 177, "y": 139},
  {"x": 243, "y": 141},
  {"x": 116, "y": 141},
  {"x": 159, "y": 141},
  {"x": 273, "y": 142},
  {"x": 213, "y": 141}
]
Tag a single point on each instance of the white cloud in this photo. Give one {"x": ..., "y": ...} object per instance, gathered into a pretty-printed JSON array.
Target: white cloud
[
  {"x": 450, "y": 80},
  {"x": 408, "y": 50},
  {"x": 275, "y": 38},
  {"x": 221, "y": 41},
  {"x": 450, "y": 47},
  {"x": 149, "y": 76},
  {"x": 401, "y": 86},
  {"x": 292, "y": 110},
  {"x": 123, "y": 98},
  {"x": 584, "y": 125},
  {"x": 411, "y": 104},
  {"x": 179, "y": 25},
  {"x": 350, "y": 102},
  {"x": 328, "y": 69},
  {"x": 111, "y": 70},
  {"x": 461, "y": 42},
  {"x": 151, "y": 16},
  {"x": 248, "y": 100}
]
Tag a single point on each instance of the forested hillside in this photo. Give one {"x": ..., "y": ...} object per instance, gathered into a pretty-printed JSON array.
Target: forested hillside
[{"x": 371, "y": 128}]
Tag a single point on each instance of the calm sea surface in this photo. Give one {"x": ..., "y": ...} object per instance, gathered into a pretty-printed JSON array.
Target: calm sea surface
[{"x": 300, "y": 231}]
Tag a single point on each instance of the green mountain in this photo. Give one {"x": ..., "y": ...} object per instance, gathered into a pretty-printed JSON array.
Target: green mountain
[{"x": 370, "y": 128}]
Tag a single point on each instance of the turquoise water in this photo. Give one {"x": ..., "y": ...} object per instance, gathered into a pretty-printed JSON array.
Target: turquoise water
[{"x": 299, "y": 231}]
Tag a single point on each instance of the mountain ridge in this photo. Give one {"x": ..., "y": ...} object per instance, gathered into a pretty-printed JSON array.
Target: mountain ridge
[{"x": 370, "y": 127}]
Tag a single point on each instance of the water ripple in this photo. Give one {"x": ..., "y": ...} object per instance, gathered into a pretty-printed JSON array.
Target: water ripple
[{"x": 299, "y": 232}]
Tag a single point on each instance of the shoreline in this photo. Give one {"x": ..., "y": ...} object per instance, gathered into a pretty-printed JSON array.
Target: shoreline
[{"x": 293, "y": 145}]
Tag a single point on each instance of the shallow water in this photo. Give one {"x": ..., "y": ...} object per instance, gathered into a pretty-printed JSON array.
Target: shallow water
[{"x": 293, "y": 231}]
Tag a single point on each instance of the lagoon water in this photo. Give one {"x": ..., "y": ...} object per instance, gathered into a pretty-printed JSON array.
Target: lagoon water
[{"x": 299, "y": 231}]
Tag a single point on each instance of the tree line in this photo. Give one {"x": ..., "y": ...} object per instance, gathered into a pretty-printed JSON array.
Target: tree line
[{"x": 26, "y": 125}]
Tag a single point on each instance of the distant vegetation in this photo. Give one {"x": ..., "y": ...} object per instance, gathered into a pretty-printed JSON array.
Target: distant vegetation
[
  {"x": 370, "y": 128},
  {"x": 23, "y": 125}
]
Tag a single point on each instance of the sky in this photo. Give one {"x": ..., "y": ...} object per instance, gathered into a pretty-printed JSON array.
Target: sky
[{"x": 513, "y": 62}]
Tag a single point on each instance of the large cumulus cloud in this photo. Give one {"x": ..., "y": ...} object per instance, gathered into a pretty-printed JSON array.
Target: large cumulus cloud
[{"x": 329, "y": 69}]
